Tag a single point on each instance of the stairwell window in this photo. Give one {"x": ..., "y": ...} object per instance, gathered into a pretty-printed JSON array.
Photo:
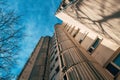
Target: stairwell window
[{"x": 94, "y": 45}]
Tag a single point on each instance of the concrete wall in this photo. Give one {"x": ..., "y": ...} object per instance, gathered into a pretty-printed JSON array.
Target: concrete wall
[
  {"x": 86, "y": 43},
  {"x": 104, "y": 52},
  {"x": 80, "y": 36},
  {"x": 29, "y": 65}
]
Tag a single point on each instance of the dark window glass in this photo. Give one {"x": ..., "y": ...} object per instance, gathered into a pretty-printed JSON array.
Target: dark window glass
[
  {"x": 91, "y": 50},
  {"x": 113, "y": 70},
  {"x": 96, "y": 43},
  {"x": 64, "y": 4},
  {"x": 117, "y": 60},
  {"x": 55, "y": 51},
  {"x": 56, "y": 59},
  {"x": 51, "y": 68},
  {"x": 61, "y": 61},
  {"x": 57, "y": 69},
  {"x": 80, "y": 41},
  {"x": 76, "y": 32},
  {"x": 64, "y": 78}
]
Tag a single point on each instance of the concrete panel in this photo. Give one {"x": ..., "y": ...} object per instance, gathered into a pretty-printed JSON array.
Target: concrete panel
[
  {"x": 102, "y": 54},
  {"x": 80, "y": 36},
  {"x": 87, "y": 42}
]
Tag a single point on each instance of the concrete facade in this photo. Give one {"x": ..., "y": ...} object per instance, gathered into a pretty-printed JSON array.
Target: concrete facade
[
  {"x": 73, "y": 60},
  {"x": 86, "y": 46},
  {"x": 98, "y": 34},
  {"x": 37, "y": 65},
  {"x": 63, "y": 58}
]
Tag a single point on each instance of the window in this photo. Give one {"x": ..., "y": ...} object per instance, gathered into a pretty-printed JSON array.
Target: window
[
  {"x": 64, "y": 78},
  {"x": 83, "y": 37},
  {"x": 117, "y": 60},
  {"x": 114, "y": 66},
  {"x": 55, "y": 51},
  {"x": 68, "y": 29},
  {"x": 59, "y": 47},
  {"x": 52, "y": 58},
  {"x": 57, "y": 69},
  {"x": 61, "y": 61},
  {"x": 80, "y": 41},
  {"x": 52, "y": 67},
  {"x": 94, "y": 45},
  {"x": 112, "y": 69},
  {"x": 64, "y": 4},
  {"x": 56, "y": 59},
  {"x": 72, "y": 29},
  {"x": 76, "y": 32}
]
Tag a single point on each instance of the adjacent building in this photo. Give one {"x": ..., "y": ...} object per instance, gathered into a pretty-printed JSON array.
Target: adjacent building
[
  {"x": 86, "y": 46},
  {"x": 37, "y": 67}
]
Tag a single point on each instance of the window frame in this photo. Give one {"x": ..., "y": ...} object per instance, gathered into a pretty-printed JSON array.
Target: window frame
[{"x": 114, "y": 65}]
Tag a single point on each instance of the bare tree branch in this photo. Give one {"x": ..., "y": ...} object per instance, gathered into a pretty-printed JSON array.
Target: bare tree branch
[{"x": 10, "y": 35}]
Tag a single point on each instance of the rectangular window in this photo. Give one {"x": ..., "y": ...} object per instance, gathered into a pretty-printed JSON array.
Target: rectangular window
[
  {"x": 76, "y": 32},
  {"x": 52, "y": 67},
  {"x": 94, "y": 45},
  {"x": 112, "y": 69},
  {"x": 61, "y": 61},
  {"x": 57, "y": 69},
  {"x": 114, "y": 66},
  {"x": 56, "y": 59},
  {"x": 55, "y": 51},
  {"x": 60, "y": 48}
]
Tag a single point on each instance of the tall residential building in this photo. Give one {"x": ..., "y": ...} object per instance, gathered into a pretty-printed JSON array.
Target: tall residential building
[
  {"x": 63, "y": 58},
  {"x": 86, "y": 46}
]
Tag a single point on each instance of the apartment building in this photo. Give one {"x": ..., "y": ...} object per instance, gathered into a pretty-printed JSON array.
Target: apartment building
[
  {"x": 63, "y": 58},
  {"x": 86, "y": 46},
  {"x": 70, "y": 61},
  {"x": 95, "y": 25}
]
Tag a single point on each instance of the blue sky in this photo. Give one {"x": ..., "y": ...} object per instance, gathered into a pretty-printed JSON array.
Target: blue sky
[{"x": 38, "y": 17}]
